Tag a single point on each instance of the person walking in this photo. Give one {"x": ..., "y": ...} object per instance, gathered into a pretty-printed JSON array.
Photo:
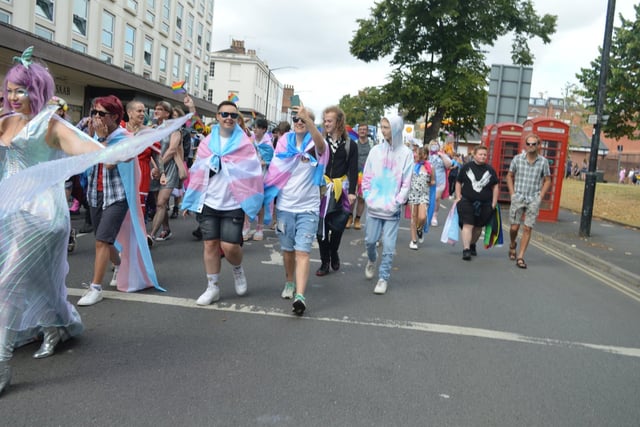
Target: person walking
[
  {"x": 341, "y": 176},
  {"x": 225, "y": 182},
  {"x": 294, "y": 177},
  {"x": 528, "y": 180},
  {"x": 476, "y": 197},
  {"x": 385, "y": 183},
  {"x": 364, "y": 147},
  {"x": 440, "y": 163},
  {"x": 421, "y": 181}
]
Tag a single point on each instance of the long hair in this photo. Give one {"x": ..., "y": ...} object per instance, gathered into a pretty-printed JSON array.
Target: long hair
[
  {"x": 341, "y": 121},
  {"x": 36, "y": 79},
  {"x": 112, "y": 104}
]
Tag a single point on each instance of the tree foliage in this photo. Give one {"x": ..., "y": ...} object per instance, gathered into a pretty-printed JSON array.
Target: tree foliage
[
  {"x": 622, "y": 98},
  {"x": 436, "y": 50},
  {"x": 366, "y": 107}
]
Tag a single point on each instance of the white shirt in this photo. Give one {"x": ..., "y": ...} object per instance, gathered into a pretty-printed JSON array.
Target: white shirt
[{"x": 218, "y": 192}]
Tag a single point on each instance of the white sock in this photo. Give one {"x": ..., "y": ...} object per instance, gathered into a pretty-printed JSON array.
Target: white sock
[
  {"x": 237, "y": 268},
  {"x": 96, "y": 286},
  {"x": 212, "y": 279}
]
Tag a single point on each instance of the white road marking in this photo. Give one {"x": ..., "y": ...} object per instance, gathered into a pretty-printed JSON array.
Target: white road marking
[{"x": 384, "y": 323}]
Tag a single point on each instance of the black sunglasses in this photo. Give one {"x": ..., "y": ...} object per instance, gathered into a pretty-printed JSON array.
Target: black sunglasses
[
  {"x": 531, "y": 144},
  {"x": 226, "y": 114},
  {"x": 100, "y": 113},
  {"x": 297, "y": 119}
]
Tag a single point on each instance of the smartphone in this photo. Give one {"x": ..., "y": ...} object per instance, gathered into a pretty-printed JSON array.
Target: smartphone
[{"x": 295, "y": 100}]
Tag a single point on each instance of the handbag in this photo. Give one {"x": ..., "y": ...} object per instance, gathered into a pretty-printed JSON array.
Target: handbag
[{"x": 451, "y": 229}]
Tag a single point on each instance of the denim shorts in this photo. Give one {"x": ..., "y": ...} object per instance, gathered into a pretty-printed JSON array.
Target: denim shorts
[
  {"x": 296, "y": 230},
  {"x": 221, "y": 225}
]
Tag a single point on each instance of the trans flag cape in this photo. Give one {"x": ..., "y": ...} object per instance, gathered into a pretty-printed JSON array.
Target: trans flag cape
[
  {"x": 287, "y": 156},
  {"x": 239, "y": 165}
]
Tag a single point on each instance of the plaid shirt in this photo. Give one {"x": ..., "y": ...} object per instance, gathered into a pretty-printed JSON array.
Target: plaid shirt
[
  {"x": 112, "y": 188},
  {"x": 528, "y": 176}
]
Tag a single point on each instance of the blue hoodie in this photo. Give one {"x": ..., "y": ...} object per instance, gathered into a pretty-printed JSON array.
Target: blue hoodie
[{"x": 387, "y": 175}]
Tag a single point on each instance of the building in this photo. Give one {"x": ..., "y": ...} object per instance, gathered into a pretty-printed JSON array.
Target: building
[
  {"x": 129, "y": 48},
  {"x": 238, "y": 74}
]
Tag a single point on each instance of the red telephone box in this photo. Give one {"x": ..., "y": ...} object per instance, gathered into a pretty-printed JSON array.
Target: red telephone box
[
  {"x": 504, "y": 144},
  {"x": 484, "y": 140},
  {"x": 554, "y": 136}
]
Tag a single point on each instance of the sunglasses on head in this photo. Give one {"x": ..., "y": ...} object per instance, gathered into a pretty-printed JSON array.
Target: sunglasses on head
[
  {"x": 100, "y": 113},
  {"x": 226, "y": 114},
  {"x": 297, "y": 119}
]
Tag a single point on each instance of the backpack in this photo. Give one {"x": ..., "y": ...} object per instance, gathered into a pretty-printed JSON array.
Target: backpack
[{"x": 186, "y": 142}]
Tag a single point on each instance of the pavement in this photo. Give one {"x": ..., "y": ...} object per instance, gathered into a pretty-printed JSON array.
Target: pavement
[{"x": 613, "y": 249}]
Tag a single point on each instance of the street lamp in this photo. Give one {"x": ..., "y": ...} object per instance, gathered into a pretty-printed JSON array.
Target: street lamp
[{"x": 269, "y": 70}]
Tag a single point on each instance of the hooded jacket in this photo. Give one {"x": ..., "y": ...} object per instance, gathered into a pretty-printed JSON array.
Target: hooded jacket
[{"x": 387, "y": 175}]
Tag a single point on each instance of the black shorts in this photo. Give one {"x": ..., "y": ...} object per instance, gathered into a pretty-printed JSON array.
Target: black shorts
[
  {"x": 469, "y": 214},
  {"x": 221, "y": 225},
  {"x": 107, "y": 222}
]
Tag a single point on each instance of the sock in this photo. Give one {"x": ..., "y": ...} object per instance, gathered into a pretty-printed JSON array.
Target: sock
[
  {"x": 299, "y": 297},
  {"x": 96, "y": 286},
  {"x": 237, "y": 268},
  {"x": 212, "y": 279},
  {"x": 115, "y": 270}
]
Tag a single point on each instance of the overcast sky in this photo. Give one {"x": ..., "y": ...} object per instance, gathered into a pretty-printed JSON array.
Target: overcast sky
[{"x": 314, "y": 36}]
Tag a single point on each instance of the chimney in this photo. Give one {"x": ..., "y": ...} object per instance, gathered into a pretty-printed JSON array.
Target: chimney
[{"x": 238, "y": 46}]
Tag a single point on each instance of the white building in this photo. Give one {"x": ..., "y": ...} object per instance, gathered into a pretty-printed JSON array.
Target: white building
[
  {"x": 131, "y": 48},
  {"x": 237, "y": 73}
]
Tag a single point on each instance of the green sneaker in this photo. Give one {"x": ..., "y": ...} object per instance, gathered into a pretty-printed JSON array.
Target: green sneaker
[{"x": 289, "y": 289}]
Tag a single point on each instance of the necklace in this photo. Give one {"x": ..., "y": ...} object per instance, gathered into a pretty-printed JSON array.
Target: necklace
[{"x": 133, "y": 129}]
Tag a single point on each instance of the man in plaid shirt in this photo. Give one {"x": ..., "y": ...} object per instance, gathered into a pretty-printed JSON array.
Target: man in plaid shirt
[{"x": 532, "y": 181}]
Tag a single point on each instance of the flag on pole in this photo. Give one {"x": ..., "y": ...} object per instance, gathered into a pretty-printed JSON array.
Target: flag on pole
[
  {"x": 178, "y": 87},
  {"x": 233, "y": 97}
]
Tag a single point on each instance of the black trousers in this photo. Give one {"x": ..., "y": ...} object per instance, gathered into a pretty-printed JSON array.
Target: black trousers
[{"x": 333, "y": 226}]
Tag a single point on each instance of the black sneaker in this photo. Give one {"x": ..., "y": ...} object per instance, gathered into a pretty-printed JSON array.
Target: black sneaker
[
  {"x": 466, "y": 254},
  {"x": 298, "y": 305},
  {"x": 472, "y": 250},
  {"x": 323, "y": 270},
  {"x": 335, "y": 262}
]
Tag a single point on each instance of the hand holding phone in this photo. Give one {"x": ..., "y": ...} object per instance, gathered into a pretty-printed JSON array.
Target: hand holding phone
[{"x": 295, "y": 101}]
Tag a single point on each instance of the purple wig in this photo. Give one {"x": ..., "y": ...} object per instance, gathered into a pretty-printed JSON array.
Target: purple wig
[{"x": 36, "y": 79}]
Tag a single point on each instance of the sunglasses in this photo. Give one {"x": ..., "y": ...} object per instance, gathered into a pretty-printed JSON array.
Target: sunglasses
[
  {"x": 297, "y": 119},
  {"x": 531, "y": 144},
  {"x": 100, "y": 113},
  {"x": 226, "y": 114}
]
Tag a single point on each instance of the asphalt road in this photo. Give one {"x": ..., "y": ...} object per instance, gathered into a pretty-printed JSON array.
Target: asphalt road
[{"x": 452, "y": 343}]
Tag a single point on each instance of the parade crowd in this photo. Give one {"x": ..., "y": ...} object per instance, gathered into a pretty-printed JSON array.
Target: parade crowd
[{"x": 307, "y": 184}]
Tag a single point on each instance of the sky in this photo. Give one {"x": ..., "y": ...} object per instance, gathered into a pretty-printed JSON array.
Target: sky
[{"x": 309, "y": 42}]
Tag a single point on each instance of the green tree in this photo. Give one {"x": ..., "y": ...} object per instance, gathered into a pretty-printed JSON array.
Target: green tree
[
  {"x": 622, "y": 98},
  {"x": 366, "y": 107},
  {"x": 436, "y": 49}
]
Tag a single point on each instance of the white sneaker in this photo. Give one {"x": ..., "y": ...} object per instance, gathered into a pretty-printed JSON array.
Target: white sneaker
[
  {"x": 434, "y": 222},
  {"x": 370, "y": 269},
  {"x": 381, "y": 287},
  {"x": 92, "y": 296},
  {"x": 212, "y": 294},
  {"x": 289, "y": 289},
  {"x": 258, "y": 235},
  {"x": 413, "y": 245},
  {"x": 239, "y": 281}
]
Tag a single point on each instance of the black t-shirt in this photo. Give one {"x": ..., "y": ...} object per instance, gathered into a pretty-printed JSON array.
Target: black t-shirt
[{"x": 477, "y": 181}]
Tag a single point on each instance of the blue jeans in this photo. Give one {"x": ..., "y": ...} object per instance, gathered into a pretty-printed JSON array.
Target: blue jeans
[
  {"x": 296, "y": 231},
  {"x": 376, "y": 228}
]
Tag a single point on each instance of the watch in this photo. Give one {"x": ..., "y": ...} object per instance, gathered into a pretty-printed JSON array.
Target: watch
[{"x": 102, "y": 139}]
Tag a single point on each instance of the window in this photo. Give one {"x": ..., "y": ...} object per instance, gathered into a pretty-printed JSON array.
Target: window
[
  {"x": 176, "y": 66},
  {"x": 210, "y": 95},
  {"x": 187, "y": 71},
  {"x": 166, "y": 15},
  {"x": 150, "y": 15},
  {"x": 128, "y": 66},
  {"x": 163, "y": 58},
  {"x": 80, "y": 16},
  {"x": 106, "y": 57},
  {"x": 212, "y": 69},
  {"x": 189, "y": 35},
  {"x": 79, "y": 47},
  {"x": 201, "y": 7},
  {"x": 129, "y": 40},
  {"x": 44, "y": 9},
  {"x": 200, "y": 31},
  {"x": 179, "y": 12},
  {"x": 5, "y": 17},
  {"x": 43, "y": 32},
  {"x": 132, "y": 4},
  {"x": 148, "y": 49},
  {"x": 108, "y": 21},
  {"x": 196, "y": 77}
]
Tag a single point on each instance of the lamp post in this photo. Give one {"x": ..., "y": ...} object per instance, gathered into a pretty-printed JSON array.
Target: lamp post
[{"x": 266, "y": 103}]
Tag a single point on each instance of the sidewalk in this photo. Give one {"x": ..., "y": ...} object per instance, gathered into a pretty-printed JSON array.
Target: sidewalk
[{"x": 612, "y": 248}]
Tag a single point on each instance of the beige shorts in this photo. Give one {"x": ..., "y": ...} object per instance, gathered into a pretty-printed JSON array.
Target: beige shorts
[{"x": 529, "y": 209}]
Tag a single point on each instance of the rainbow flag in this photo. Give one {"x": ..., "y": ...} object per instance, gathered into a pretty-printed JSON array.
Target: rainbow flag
[
  {"x": 233, "y": 97},
  {"x": 178, "y": 87},
  {"x": 493, "y": 235}
]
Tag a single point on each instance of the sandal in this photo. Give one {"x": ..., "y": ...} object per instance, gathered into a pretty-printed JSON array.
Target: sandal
[
  {"x": 520, "y": 263},
  {"x": 512, "y": 251}
]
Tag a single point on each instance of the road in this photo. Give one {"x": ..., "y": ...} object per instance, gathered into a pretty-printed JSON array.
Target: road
[{"x": 452, "y": 343}]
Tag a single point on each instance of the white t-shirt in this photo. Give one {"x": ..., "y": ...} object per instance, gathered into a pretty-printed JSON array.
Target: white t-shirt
[
  {"x": 218, "y": 192},
  {"x": 300, "y": 194}
]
